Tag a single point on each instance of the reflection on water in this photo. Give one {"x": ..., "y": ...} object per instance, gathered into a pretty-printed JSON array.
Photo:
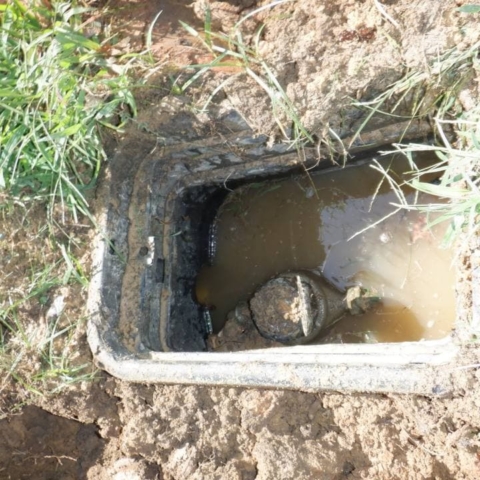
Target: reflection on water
[{"x": 308, "y": 223}]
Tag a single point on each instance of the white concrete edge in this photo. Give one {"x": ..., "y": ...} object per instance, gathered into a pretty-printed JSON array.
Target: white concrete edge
[{"x": 407, "y": 372}]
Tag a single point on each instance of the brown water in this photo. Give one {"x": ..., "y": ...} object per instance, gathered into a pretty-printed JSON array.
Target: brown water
[{"x": 307, "y": 223}]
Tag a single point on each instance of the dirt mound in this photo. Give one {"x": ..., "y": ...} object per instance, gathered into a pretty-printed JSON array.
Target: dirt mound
[
  {"x": 227, "y": 433},
  {"x": 326, "y": 55}
]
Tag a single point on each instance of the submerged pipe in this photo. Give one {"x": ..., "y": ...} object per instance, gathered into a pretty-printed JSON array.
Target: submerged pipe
[{"x": 294, "y": 307}]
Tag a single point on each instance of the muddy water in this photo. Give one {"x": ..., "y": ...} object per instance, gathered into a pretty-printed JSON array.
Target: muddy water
[{"x": 308, "y": 223}]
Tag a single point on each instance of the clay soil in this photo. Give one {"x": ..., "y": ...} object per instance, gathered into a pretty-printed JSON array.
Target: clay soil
[{"x": 324, "y": 54}]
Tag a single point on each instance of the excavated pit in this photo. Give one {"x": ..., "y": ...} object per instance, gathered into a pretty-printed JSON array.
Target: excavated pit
[
  {"x": 193, "y": 233},
  {"x": 330, "y": 223}
]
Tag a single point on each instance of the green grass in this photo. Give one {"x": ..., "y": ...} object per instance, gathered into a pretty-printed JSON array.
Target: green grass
[
  {"x": 57, "y": 88},
  {"x": 433, "y": 93},
  {"x": 458, "y": 189},
  {"x": 37, "y": 345},
  {"x": 233, "y": 50},
  {"x": 421, "y": 93}
]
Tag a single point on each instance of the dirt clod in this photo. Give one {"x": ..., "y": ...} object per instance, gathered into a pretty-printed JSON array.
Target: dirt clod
[
  {"x": 239, "y": 333},
  {"x": 359, "y": 300}
]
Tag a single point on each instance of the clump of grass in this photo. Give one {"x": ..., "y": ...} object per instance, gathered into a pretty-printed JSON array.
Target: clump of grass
[
  {"x": 39, "y": 331},
  {"x": 458, "y": 185},
  {"x": 57, "y": 88},
  {"x": 429, "y": 92},
  {"x": 233, "y": 50},
  {"x": 38, "y": 355},
  {"x": 433, "y": 93}
]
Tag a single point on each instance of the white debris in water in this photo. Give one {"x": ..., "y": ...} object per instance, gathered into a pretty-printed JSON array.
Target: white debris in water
[{"x": 386, "y": 237}]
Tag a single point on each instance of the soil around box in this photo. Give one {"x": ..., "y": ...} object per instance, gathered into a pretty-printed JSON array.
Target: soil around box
[{"x": 115, "y": 430}]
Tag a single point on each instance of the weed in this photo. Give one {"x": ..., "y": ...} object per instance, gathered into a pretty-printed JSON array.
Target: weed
[
  {"x": 457, "y": 169},
  {"x": 38, "y": 333},
  {"x": 469, "y": 8},
  {"x": 428, "y": 92},
  {"x": 234, "y": 51},
  {"x": 434, "y": 93},
  {"x": 57, "y": 87}
]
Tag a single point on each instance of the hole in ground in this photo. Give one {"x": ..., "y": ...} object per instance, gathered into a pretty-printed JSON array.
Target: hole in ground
[{"x": 328, "y": 223}]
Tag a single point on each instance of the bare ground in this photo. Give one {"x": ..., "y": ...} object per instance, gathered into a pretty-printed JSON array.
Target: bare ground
[{"x": 324, "y": 55}]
